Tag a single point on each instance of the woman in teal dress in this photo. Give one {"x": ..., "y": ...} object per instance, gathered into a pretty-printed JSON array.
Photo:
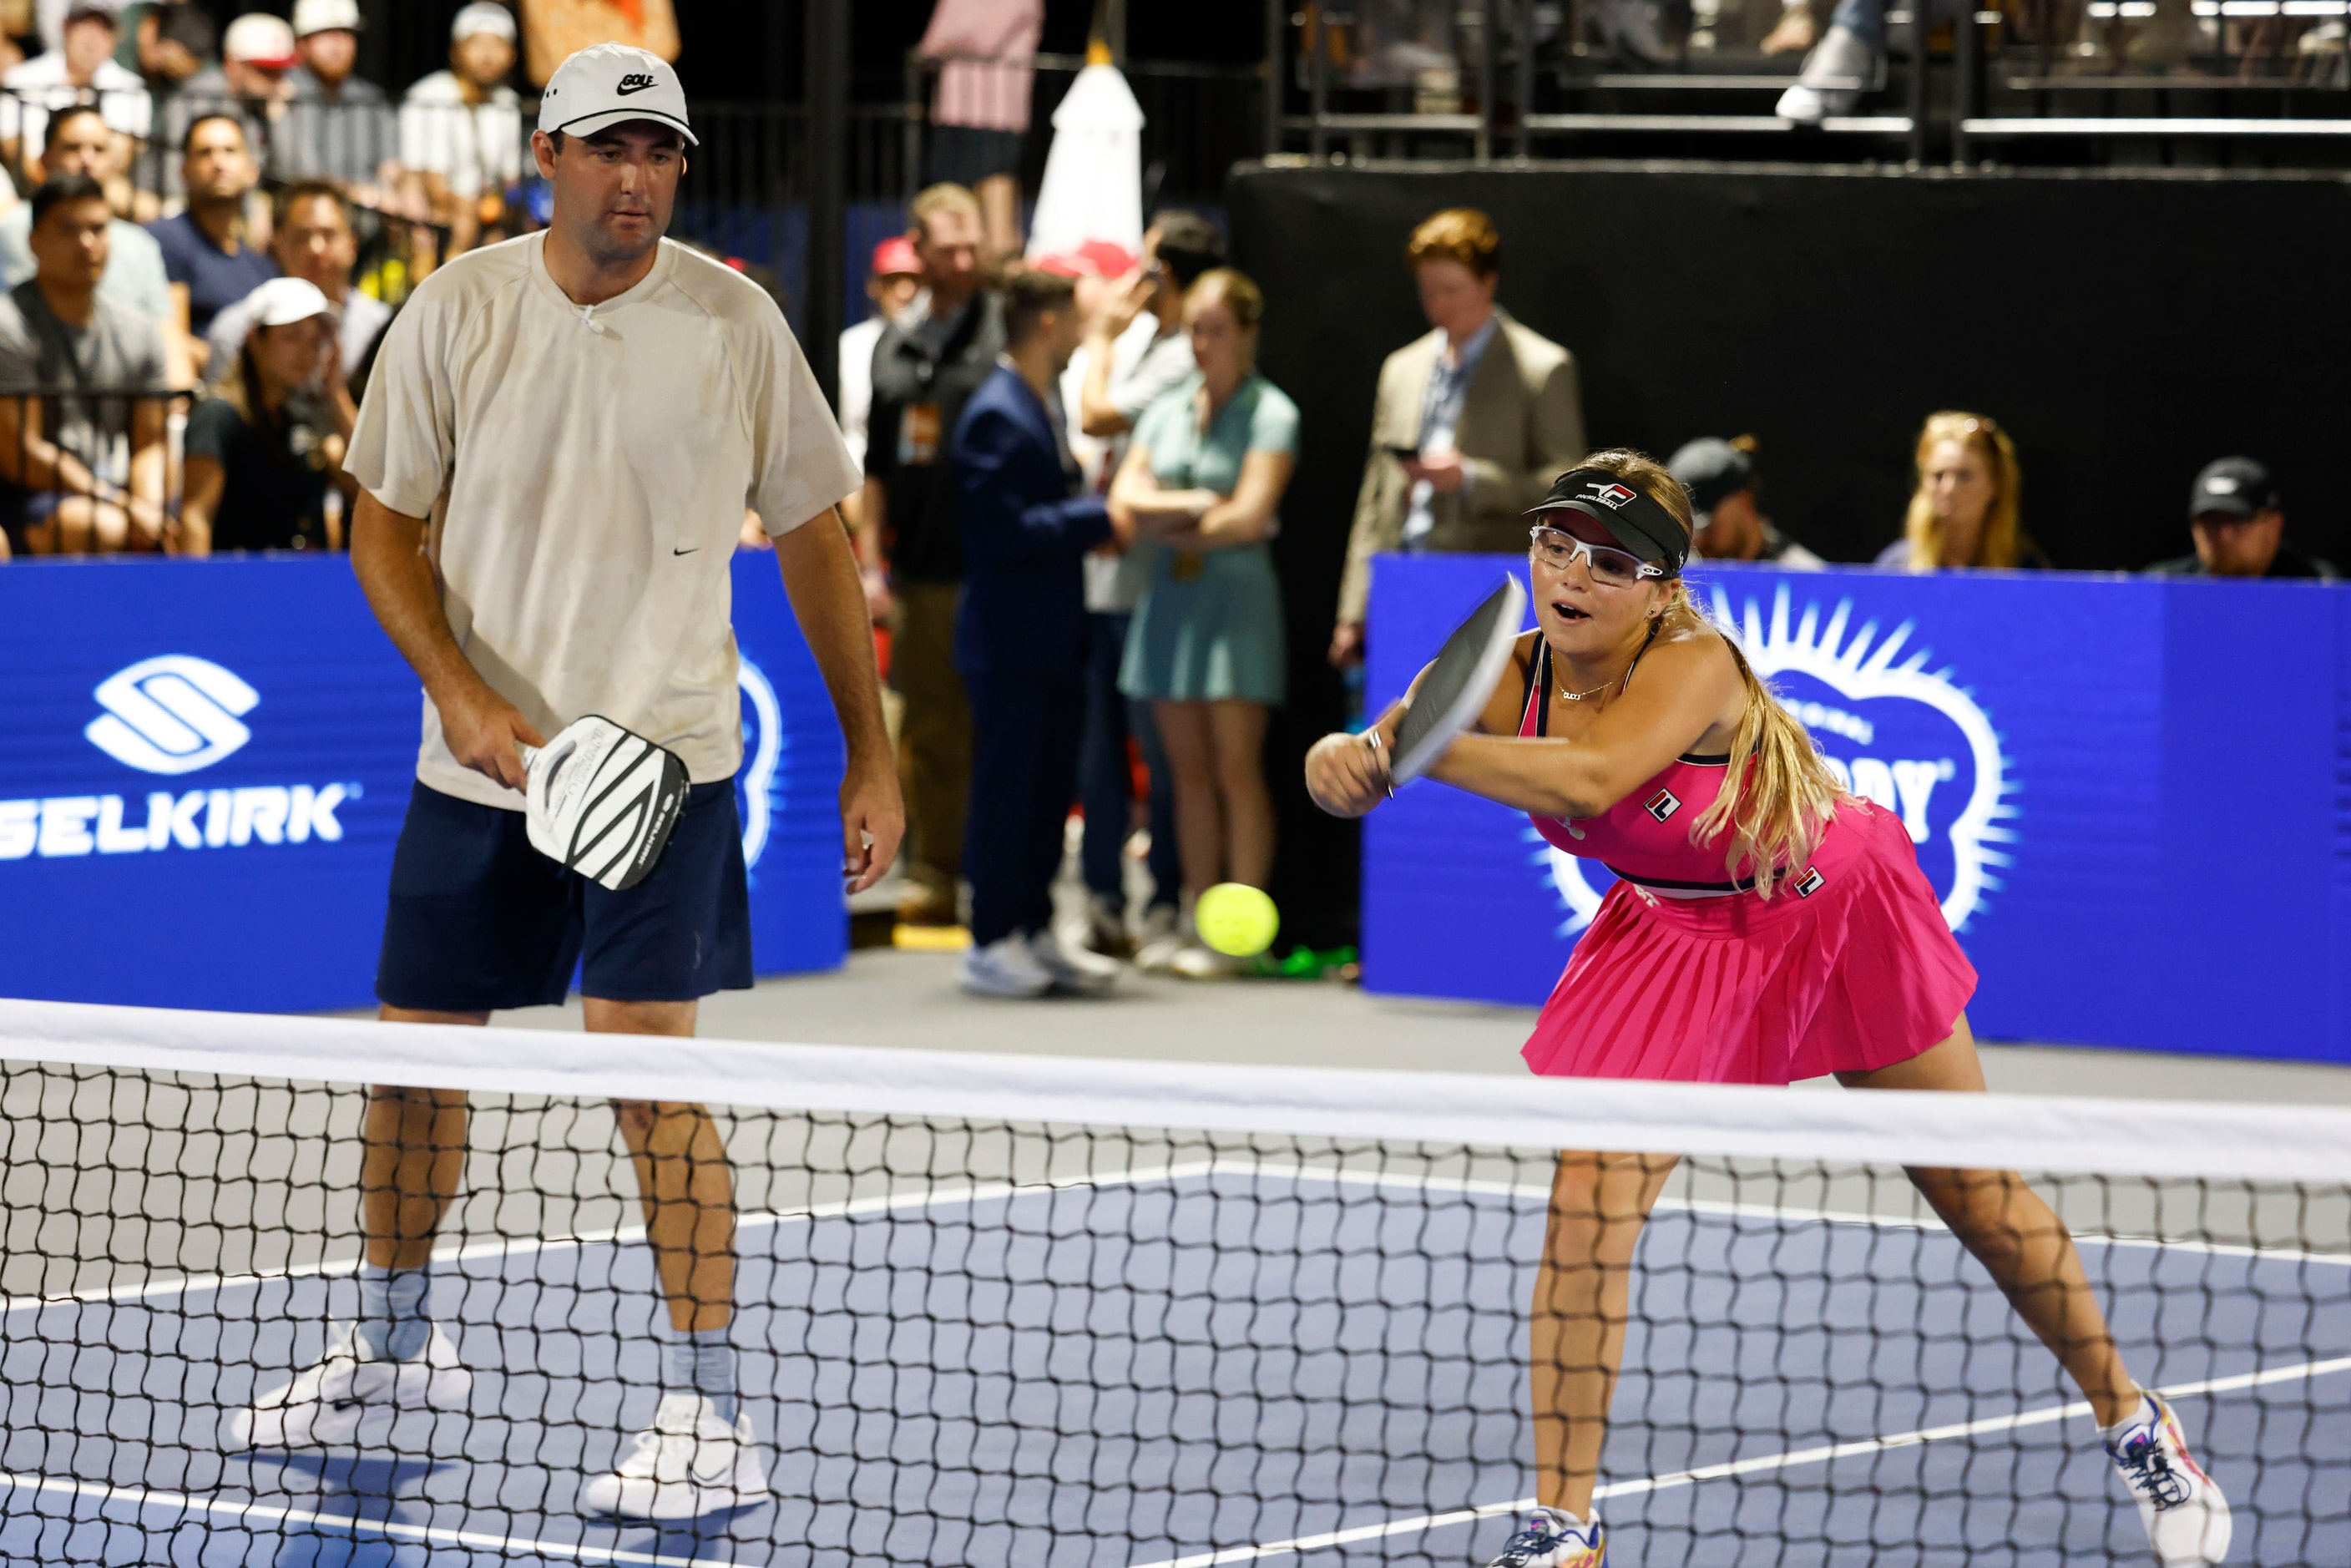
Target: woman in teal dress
[{"x": 1204, "y": 476}]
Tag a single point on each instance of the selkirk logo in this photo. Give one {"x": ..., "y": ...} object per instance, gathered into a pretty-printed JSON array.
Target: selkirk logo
[
  {"x": 635, "y": 81},
  {"x": 1895, "y": 731}
]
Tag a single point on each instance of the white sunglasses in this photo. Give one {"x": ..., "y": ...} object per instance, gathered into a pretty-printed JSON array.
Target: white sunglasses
[{"x": 1556, "y": 548}]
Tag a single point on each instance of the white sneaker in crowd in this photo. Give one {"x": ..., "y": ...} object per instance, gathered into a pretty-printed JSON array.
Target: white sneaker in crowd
[
  {"x": 2186, "y": 1518},
  {"x": 689, "y": 1462},
  {"x": 1005, "y": 968},
  {"x": 1840, "y": 69},
  {"x": 1074, "y": 968},
  {"x": 1196, "y": 960},
  {"x": 1553, "y": 1538},
  {"x": 1162, "y": 937},
  {"x": 329, "y": 1400}
]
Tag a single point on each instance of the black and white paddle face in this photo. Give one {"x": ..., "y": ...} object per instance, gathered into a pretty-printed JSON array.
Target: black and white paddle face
[
  {"x": 1458, "y": 681},
  {"x": 604, "y": 801}
]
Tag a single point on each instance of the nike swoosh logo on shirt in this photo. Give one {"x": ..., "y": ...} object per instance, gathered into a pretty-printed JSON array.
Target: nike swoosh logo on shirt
[{"x": 675, "y": 551}]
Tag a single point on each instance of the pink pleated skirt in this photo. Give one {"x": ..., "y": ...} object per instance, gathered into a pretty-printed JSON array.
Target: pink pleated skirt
[{"x": 1860, "y": 973}]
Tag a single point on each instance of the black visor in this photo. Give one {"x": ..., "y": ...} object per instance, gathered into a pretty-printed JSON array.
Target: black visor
[{"x": 1641, "y": 526}]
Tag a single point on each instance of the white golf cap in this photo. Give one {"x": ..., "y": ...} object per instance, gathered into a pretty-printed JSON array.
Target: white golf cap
[
  {"x": 606, "y": 84},
  {"x": 282, "y": 301},
  {"x": 481, "y": 16},
  {"x": 257, "y": 38},
  {"x": 325, "y": 17}
]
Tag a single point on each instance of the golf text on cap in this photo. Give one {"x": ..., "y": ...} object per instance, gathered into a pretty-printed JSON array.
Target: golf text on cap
[
  {"x": 172, "y": 715},
  {"x": 606, "y": 85}
]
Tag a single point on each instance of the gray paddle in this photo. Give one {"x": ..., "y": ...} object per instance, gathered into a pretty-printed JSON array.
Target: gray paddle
[{"x": 1454, "y": 690}]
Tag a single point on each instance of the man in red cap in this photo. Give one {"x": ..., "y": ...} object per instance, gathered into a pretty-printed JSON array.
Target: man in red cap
[{"x": 893, "y": 285}]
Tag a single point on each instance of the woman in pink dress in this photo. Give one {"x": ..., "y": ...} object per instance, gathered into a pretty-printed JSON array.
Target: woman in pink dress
[{"x": 1764, "y": 926}]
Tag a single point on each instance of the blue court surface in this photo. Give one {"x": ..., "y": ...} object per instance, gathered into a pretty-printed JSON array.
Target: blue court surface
[{"x": 1221, "y": 1362}]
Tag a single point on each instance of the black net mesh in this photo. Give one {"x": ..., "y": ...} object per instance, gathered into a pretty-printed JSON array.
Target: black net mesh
[{"x": 1024, "y": 1343}]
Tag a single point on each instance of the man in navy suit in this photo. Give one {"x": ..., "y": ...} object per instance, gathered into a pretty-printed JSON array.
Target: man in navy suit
[{"x": 1020, "y": 644}]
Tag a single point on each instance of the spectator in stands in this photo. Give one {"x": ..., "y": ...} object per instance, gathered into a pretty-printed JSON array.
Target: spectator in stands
[
  {"x": 1019, "y": 644},
  {"x": 82, "y": 70},
  {"x": 173, "y": 43},
  {"x": 311, "y": 239},
  {"x": 80, "y": 143},
  {"x": 1723, "y": 484},
  {"x": 2238, "y": 521},
  {"x": 925, "y": 368},
  {"x": 266, "y": 449},
  {"x": 1204, "y": 474},
  {"x": 461, "y": 129},
  {"x": 1964, "y": 512},
  {"x": 253, "y": 84},
  {"x": 892, "y": 289},
  {"x": 204, "y": 251},
  {"x": 1470, "y": 425},
  {"x": 986, "y": 51},
  {"x": 338, "y": 125},
  {"x": 92, "y": 458},
  {"x": 1136, "y": 350}
]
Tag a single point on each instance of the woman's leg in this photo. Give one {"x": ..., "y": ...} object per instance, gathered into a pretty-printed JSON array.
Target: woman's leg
[
  {"x": 1238, "y": 729},
  {"x": 2015, "y": 1235},
  {"x": 1598, "y": 1205},
  {"x": 1184, "y": 735}
]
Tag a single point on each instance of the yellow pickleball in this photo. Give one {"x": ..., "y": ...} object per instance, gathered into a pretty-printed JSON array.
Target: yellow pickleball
[{"x": 1236, "y": 919}]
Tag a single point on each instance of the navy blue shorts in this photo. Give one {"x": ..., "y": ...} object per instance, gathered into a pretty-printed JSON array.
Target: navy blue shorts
[{"x": 480, "y": 921}]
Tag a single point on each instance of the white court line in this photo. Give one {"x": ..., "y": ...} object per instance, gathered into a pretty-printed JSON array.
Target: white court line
[
  {"x": 507, "y": 1247},
  {"x": 989, "y": 1191},
  {"x": 579, "y": 1551},
  {"x": 1789, "y": 1461}
]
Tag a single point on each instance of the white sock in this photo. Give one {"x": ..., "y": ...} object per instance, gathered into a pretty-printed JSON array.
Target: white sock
[{"x": 2142, "y": 1411}]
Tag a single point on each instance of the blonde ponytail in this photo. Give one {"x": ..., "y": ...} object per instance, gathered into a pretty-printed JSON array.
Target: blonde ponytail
[{"x": 1779, "y": 797}]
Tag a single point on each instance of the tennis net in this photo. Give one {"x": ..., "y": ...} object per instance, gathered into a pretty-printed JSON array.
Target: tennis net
[{"x": 1000, "y": 1310}]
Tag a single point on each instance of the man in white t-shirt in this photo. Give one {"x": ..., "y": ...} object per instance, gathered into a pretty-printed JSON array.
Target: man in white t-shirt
[
  {"x": 79, "y": 70},
  {"x": 461, "y": 129},
  {"x": 587, "y": 412}
]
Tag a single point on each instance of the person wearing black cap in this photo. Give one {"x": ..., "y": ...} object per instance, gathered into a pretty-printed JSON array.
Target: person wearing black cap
[
  {"x": 1721, "y": 480},
  {"x": 2238, "y": 521},
  {"x": 1765, "y": 926}
]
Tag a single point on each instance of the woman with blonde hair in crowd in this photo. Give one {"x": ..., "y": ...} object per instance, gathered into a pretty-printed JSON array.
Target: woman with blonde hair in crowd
[
  {"x": 1964, "y": 512},
  {"x": 1764, "y": 926},
  {"x": 1204, "y": 476}
]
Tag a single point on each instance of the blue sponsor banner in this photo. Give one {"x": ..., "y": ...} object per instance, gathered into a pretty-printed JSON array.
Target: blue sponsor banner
[
  {"x": 2133, "y": 797},
  {"x": 203, "y": 768}
]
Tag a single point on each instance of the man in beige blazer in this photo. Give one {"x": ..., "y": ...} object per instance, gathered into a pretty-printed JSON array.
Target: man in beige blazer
[{"x": 1472, "y": 423}]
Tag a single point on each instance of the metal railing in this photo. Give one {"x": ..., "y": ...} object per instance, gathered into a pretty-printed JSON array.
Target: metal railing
[
  {"x": 1479, "y": 79},
  {"x": 90, "y": 470}
]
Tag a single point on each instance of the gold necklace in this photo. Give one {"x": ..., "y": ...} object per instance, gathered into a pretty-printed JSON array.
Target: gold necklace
[{"x": 1581, "y": 696}]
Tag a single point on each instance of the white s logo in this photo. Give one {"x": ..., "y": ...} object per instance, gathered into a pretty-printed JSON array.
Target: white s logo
[{"x": 173, "y": 714}]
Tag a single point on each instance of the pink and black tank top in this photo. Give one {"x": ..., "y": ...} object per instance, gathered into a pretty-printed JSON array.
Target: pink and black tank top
[{"x": 1643, "y": 837}]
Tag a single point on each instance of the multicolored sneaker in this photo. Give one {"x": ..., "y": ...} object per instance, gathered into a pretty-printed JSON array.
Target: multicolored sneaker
[
  {"x": 2186, "y": 1518},
  {"x": 1555, "y": 1538}
]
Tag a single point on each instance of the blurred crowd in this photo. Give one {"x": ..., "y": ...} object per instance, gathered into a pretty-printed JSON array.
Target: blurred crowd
[
  {"x": 1073, "y": 467},
  {"x": 204, "y": 233}
]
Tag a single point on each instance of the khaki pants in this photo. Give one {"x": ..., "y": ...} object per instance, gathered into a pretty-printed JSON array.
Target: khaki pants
[{"x": 933, "y": 735}]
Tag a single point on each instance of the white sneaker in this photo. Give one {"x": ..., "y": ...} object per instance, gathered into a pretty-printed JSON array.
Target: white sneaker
[
  {"x": 1005, "y": 968},
  {"x": 1196, "y": 960},
  {"x": 1555, "y": 1538},
  {"x": 2186, "y": 1518},
  {"x": 1162, "y": 937},
  {"x": 1840, "y": 69},
  {"x": 1074, "y": 968},
  {"x": 689, "y": 1462},
  {"x": 328, "y": 1401}
]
